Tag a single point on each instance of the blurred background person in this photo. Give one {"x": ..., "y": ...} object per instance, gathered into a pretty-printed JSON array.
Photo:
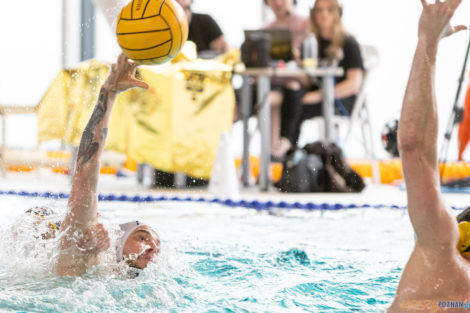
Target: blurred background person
[
  {"x": 285, "y": 17},
  {"x": 285, "y": 93},
  {"x": 335, "y": 47},
  {"x": 204, "y": 31}
]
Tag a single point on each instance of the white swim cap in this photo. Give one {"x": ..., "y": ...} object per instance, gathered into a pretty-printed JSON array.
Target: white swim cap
[{"x": 127, "y": 228}]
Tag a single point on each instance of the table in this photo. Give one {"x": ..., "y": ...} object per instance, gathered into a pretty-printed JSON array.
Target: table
[{"x": 264, "y": 76}]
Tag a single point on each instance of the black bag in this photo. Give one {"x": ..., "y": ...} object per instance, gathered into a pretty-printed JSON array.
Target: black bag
[
  {"x": 339, "y": 176},
  {"x": 302, "y": 172},
  {"x": 256, "y": 50},
  {"x": 319, "y": 167}
]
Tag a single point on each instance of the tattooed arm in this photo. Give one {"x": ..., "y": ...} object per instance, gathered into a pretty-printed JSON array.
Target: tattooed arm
[{"x": 81, "y": 217}]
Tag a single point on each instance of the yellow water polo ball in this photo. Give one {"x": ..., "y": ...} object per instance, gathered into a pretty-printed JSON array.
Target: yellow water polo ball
[{"x": 152, "y": 31}]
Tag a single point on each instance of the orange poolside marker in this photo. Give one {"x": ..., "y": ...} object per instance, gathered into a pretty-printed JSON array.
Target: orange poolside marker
[
  {"x": 130, "y": 164},
  {"x": 276, "y": 171},
  {"x": 108, "y": 170},
  {"x": 60, "y": 170},
  {"x": 20, "y": 168}
]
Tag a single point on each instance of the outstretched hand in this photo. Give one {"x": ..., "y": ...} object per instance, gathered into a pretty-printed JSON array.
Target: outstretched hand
[
  {"x": 122, "y": 76},
  {"x": 434, "y": 23}
]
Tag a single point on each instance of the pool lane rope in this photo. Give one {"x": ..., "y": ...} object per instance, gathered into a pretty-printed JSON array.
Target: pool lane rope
[{"x": 253, "y": 204}]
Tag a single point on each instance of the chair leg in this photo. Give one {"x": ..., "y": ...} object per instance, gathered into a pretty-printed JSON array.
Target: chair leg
[
  {"x": 348, "y": 132},
  {"x": 375, "y": 165},
  {"x": 371, "y": 137},
  {"x": 321, "y": 127},
  {"x": 365, "y": 141}
]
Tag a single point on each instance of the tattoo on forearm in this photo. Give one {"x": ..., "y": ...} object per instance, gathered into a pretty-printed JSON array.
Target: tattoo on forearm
[{"x": 88, "y": 148}]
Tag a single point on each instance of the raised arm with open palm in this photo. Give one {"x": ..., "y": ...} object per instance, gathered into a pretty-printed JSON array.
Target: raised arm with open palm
[
  {"x": 436, "y": 271},
  {"x": 81, "y": 217}
]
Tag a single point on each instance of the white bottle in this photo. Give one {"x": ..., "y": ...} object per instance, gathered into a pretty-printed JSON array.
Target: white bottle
[{"x": 310, "y": 51}]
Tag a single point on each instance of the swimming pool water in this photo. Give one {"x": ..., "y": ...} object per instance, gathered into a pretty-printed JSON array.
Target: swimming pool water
[{"x": 219, "y": 259}]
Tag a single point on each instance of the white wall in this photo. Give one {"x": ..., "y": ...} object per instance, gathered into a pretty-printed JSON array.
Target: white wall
[
  {"x": 31, "y": 53},
  {"x": 30, "y": 56},
  {"x": 31, "y": 48},
  {"x": 391, "y": 26}
]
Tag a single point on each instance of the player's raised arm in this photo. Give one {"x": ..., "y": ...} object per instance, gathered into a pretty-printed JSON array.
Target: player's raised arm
[
  {"x": 81, "y": 217},
  {"x": 434, "y": 225}
]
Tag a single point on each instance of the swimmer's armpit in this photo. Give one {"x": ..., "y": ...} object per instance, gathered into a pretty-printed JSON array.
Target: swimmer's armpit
[{"x": 94, "y": 240}]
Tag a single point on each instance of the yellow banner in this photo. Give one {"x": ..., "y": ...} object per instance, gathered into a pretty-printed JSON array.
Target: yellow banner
[{"x": 174, "y": 126}]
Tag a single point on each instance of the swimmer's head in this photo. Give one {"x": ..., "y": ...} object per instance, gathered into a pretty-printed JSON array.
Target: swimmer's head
[
  {"x": 43, "y": 213},
  {"x": 464, "y": 232},
  {"x": 138, "y": 246}
]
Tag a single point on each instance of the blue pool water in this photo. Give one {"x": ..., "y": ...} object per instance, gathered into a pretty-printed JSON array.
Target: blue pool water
[{"x": 218, "y": 259}]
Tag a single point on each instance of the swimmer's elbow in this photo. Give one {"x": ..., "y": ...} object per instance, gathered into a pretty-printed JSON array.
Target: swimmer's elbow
[{"x": 409, "y": 143}]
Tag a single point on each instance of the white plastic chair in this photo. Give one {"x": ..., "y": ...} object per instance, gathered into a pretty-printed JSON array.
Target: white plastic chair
[{"x": 361, "y": 114}]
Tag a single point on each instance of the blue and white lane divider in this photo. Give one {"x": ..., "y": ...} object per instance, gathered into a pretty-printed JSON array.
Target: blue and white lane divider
[{"x": 253, "y": 204}]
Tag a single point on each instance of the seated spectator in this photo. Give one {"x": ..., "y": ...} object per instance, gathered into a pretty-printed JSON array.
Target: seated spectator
[
  {"x": 285, "y": 17},
  {"x": 204, "y": 31},
  {"x": 287, "y": 91},
  {"x": 335, "y": 46}
]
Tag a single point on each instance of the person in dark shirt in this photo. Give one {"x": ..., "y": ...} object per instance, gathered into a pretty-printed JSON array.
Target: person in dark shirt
[
  {"x": 204, "y": 30},
  {"x": 347, "y": 86},
  {"x": 335, "y": 47}
]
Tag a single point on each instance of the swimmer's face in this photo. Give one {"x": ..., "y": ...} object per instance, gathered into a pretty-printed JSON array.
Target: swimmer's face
[{"x": 141, "y": 247}]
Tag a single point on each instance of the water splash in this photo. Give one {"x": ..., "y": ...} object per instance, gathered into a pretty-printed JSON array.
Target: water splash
[{"x": 259, "y": 263}]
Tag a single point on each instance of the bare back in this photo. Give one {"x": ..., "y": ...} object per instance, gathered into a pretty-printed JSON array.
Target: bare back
[{"x": 428, "y": 276}]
